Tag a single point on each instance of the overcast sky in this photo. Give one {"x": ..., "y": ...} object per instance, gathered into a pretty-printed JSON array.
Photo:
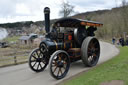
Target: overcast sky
[{"x": 26, "y": 10}]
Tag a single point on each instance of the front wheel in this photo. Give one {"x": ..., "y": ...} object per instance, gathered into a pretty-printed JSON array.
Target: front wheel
[
  {"x": 90, "y": 51},
  {"x": 59, "y": 64},
  {"x": 37, "y": 60}
]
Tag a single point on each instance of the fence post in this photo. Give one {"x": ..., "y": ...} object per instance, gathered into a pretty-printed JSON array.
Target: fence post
[{"x": 15, "y": 60}]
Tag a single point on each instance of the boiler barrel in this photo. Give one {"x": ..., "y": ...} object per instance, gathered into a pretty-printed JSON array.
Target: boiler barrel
[{"x": 54, "y": 45}]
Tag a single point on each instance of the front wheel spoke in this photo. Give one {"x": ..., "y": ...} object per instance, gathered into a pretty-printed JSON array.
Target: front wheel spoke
[
  {"x": 38, "y": 66},
  {"x": 34, "y": 57},
  {"x": 37, "y": 54},
  {"x": 54, "y": 64},
  {"x": 55, "y": 69},
  {"x": 34, "y": 64},
  {"x": 33, "y": 60},
  {"x": 60, "y": 70},
  {"x": 59, "y": 58}
]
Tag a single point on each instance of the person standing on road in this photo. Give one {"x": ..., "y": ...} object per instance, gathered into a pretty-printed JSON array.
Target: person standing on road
[
  {"x": 121, "y": 40},
  {"x": 127, "y": 41},
  {"x": 113, "y": 40}
]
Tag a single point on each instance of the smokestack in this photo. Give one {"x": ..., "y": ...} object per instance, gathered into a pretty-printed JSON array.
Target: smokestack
[{"x": 47, "y": 20}]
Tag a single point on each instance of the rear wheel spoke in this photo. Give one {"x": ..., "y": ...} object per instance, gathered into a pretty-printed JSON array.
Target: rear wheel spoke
[
  {"x": 94, "y": 44},
  {"x": 94, "y": 54}
]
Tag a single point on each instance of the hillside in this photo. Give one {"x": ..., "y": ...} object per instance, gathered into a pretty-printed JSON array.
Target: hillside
[
  {"x": 115, "y": 22},
  {"x": 20, "y": 25}
]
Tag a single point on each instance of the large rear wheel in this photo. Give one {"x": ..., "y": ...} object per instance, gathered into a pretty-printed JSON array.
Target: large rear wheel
[
  {"x": 59, "y": 64},
  {"x": 90, "y": 51}
]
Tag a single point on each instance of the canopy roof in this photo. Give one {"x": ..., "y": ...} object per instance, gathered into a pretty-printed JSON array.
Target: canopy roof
[{"x": 71, "y": 22}]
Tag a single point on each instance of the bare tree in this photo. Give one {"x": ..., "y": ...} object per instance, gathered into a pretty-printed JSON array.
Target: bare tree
[
  {"x": 66, "y": 9},
  {"x": 124, "y": 3},
  {"x": 125, "y": 13}
]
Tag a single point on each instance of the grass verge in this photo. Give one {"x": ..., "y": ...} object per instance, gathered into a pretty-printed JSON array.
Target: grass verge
[
  {"x": 14, "y": 39},
  {"x": 115, "y": 69}
]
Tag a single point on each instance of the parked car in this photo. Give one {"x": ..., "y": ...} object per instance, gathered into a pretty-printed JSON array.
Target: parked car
[{"x": 3, "y": 44}]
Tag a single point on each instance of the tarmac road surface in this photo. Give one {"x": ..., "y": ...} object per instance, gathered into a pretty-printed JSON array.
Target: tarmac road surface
[{"x": 23, "y": 75}]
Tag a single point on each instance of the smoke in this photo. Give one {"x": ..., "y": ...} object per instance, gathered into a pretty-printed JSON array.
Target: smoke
[{"x": 3, "y": 33}]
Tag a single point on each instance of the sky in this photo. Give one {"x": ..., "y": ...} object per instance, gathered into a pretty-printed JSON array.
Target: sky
[{"x": 32, "y": 10}]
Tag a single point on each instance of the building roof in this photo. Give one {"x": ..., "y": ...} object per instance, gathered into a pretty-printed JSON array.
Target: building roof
[
  {"x": 31, "y": 36},
  {"x": 24, "y": 38}
]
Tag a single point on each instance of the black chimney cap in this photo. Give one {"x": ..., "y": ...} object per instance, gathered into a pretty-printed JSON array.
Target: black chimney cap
[{"x": 46, "y": 10}]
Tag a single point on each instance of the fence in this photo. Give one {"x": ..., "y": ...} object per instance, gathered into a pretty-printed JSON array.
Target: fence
[{"x": 13, "y": 60}]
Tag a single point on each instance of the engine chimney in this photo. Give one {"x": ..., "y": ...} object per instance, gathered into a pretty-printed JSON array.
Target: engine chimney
[{"x": 47, "y": 20}]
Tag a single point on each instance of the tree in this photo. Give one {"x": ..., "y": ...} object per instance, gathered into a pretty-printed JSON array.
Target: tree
[
  {"x": 66, "y": 9},
  {"x": 124, "y": 14}
]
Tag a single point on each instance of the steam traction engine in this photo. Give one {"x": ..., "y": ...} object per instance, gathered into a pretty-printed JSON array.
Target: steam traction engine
[{"x": 70, "y": 40}]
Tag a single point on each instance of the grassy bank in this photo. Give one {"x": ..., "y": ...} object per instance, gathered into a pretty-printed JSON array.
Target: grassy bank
[
  {"x": 115, "y": 69},
  {"x": 12, "y": 39}
]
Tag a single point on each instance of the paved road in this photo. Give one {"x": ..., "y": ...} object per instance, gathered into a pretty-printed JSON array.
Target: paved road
[{"x": 22, "y": 75}]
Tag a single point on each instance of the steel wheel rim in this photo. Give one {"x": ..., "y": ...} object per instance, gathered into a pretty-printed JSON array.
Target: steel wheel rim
[
  {"x": 60, "y": 65},
  {"x": 37, "y": 61}
]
